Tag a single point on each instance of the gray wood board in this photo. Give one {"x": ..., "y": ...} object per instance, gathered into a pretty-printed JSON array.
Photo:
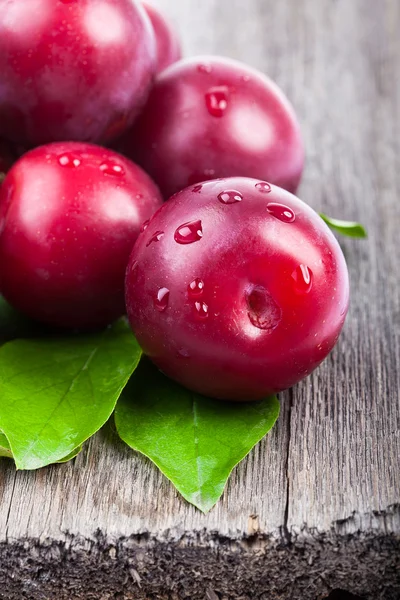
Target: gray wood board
[{"x": 332, "y": 463}]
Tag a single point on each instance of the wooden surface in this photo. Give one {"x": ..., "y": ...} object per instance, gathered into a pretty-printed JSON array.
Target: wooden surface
[{"x": 332, "y": 464}]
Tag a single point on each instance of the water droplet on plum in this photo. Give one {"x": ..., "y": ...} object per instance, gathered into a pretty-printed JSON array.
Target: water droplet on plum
[
  {"x": 69, "y": 160},
  {"x": 196, "y": 287},
  {"x": 303, "y": 279},
  {"x": 162, "y": 299},
  {"x": 114, "y": 170},
  {"x": 183, "y": 353},
  {"x": 264, "y": 313},
  {"x": 217, "y": 100},
  {"x": 201, "y": 310},
  {"x": 264, "y": 187},
  {"x": 204, "y": 68},
  {"x": 144, "y": 226},
  {"x": 188, "y": 233},
  {"x": 134, "y": 271},
  {"x": 156, "y": 237},
  {"x": 281, "y": 212},
  {"x": 230, "y": 197},
  {"x": 197, "y": 189}
]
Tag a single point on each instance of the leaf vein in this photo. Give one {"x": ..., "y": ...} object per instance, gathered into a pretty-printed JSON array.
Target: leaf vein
[
  {"x": 42, "y": 367},
  {"x": 61, "y": 400}
]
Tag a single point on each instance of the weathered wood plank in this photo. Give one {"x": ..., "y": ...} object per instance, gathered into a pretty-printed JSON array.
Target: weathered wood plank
[
  {"x": 334, "y": 458},
  {"x": 110, "y": 488},
  {"x": 345, "y": 422}
]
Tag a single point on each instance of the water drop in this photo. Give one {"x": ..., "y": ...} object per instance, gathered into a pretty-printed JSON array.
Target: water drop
[
  {"x": 144, "y": 226},
  {"x": 162, "y": 299},
  {"x": 204, "y": 68},
  {"x": 197, "y": 189},
  {"x": 114, "y": 170},
  {"x": 69, "y": 160},
  {"x": 281, "y": 212},
  {"x": 155, "y": 238},
  {"x": 303, "y": 279},
  {"x": 264, "y": 313},
  {"x": 201, "y": 310},
  {"x": 183, "y": 353},
  {"x": 230, "y": 197},
  {"x": 217, "y": 100},
  {"x": 264, "y": 187},
  {"x": 188, "y": 233},
  {"x": 134, "y": 272},
  {"x": 196, "y": 287}
]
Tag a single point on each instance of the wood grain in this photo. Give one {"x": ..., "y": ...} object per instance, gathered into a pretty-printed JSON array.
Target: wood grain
[{"x": 332, "y": 464}]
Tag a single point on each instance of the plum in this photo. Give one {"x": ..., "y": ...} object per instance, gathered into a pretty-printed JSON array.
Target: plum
[
  {"x": 70, "y": 214},
  {"x": 210, "y": 117},
  {"x": 72, "y": 70},
  {"x": 236, "y": 289},
  {"x": 167, "y": 42}
]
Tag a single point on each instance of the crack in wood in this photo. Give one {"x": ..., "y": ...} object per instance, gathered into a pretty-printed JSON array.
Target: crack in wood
[
  {"x": 286, "y": 533},
  {"x": 10, "y": 505}
]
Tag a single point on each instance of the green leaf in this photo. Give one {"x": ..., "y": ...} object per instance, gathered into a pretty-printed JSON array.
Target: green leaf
[
  {"x": 57, "y": 392},
  {"x": 72, "y": 455},
  {"x": 348, "y": 228},
  {"x": 194, "y": 441},
  {"x": 5, "y": 451}
]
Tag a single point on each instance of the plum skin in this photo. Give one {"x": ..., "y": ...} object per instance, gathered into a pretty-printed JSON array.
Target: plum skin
[
  {"x": 70, "y": 214},
  {"x": 72, "y": 70},
  {"x": 209, "y": 117},
  {"x": 167, "y": 42},
  {"x": 252, "y": 305}
]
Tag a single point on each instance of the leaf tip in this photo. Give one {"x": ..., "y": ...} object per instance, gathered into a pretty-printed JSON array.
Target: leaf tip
[{"x": 350, "y": 229}]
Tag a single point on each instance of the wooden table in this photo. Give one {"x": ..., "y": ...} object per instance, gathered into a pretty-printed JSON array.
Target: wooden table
[{"x": 317, "y": 504}]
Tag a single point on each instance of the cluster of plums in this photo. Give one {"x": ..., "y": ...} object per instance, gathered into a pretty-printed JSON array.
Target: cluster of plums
[{"x": 233, "y": 286}]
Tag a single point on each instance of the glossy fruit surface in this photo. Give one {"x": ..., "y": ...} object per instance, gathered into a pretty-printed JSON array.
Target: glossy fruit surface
[
  {"x": 69, "y": 216},
  {"x": 72, "y": 69},
  {"x": 210, "y": 117},
  {"x": 237, "y": 289},
  {"x": 167, "y": 40}
]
